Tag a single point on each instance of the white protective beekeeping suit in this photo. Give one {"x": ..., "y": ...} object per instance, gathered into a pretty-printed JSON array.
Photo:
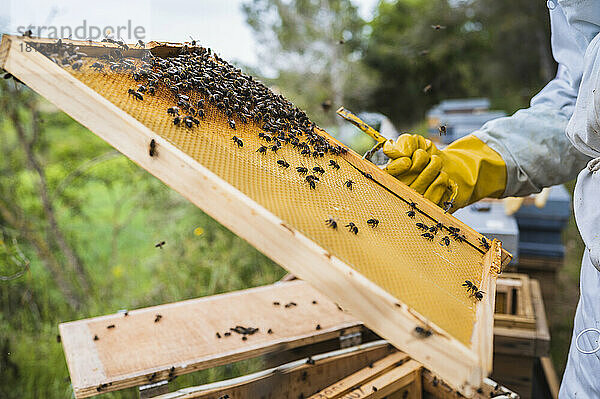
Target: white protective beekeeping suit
[{"x": 550, "y": 143}]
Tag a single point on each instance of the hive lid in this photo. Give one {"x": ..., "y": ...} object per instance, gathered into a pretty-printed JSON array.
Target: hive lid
[{"x": 388, "y": 276}]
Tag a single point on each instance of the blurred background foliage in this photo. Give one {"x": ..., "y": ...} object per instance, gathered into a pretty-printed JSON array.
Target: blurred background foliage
[{"x": 79, "y": 222}]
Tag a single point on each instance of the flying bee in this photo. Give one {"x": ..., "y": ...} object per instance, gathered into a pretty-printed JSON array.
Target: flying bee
[
  {"x": 334, "y": 164},
  {"x": 331, "y": 223},
  {"x": 352, "y": 228},
  {"x": 283, "y": 164},
  {"x": 373, "y": 222},
  {"x": 427, "y": 236},
  {"x": 442, "y": 130},
  {"x": 160, "y": 244},
  {"x": 302, "y": 170},
  {"x": 422, "y": 226},
  {"x": 484, "y": 243},
  {"x": 411, "y": 214},
  {"x": 445, "y": 241},
  {"x": 262, "y": 149},
  {"x": 319, "y": 170},
  {"x": 238, "y": 141},
  {"x": 349, "y": 184},
  {"x": 438, "y": 27}
]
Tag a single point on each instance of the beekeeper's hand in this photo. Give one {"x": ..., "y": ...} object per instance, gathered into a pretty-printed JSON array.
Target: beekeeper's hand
[{"x": 464, "y": 172}]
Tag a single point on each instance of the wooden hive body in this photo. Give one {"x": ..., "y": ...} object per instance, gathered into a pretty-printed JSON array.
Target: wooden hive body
[{"x": 389, "y": 277}]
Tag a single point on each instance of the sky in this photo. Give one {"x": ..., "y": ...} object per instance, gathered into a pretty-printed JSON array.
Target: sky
[{"x": 219, "y": 24}]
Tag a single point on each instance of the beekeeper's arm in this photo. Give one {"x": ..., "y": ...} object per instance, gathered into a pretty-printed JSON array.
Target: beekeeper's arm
[{"x": 511, "y": 156}]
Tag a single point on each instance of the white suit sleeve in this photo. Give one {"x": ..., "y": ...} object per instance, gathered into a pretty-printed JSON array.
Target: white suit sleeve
[{"x": 533, "y": 142}]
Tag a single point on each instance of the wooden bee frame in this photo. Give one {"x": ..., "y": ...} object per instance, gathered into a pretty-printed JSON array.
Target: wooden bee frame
[{"x": 462, "y": 366}]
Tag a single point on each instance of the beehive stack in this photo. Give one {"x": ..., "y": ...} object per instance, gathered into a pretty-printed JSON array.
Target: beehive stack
[{"x": 258, "y": 165}]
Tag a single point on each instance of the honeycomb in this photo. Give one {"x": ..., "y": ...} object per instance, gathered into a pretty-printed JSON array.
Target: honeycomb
[{"x": 426, "y": 275}]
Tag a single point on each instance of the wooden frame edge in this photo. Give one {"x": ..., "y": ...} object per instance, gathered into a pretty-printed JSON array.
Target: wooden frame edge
[{"x": 454, "y": 362}]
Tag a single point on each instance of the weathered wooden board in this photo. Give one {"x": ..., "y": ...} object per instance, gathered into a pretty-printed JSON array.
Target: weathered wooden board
[{"x": 138, "y": 348}]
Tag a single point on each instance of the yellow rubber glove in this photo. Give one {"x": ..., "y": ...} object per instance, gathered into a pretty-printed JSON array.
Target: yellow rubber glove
[{"x": 464, "y": 172}]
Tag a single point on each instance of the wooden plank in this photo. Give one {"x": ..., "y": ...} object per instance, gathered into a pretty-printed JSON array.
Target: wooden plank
[
  {"x": 401, "y": 377},
  {"x": 185, "y": 336},
  {"x": 520, "y": 336},
  {"x": 350, "y": 383},
  {"x": 387, "y": 376},
  {"x": 484, "y": 324},
  {"x": 525, "y": 316},
  {"x": 292, "y": 380},
  {"x": 435, "y": 388},
  {"x": 510, "y": 321},
  {"x": 460, "y": 365},
  {"x": 551, "y": 377},
  {"x": 542, "y": 341}
]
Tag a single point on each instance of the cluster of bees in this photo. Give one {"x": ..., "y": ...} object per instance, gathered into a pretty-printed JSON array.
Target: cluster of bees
[
  {"x": 196, "y": 72},
  {"x": 243, "y": 331},
  {"x": 429, "y": 232},
  {"x": 62, "y": 54}
]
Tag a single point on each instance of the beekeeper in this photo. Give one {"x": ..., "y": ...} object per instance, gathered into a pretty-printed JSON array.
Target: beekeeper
[{"x": 546, "y": 144}]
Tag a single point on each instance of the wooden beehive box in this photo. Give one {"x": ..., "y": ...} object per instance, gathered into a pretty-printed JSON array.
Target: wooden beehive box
[
  {"x": 138, "y": 351},
  {"x": 521, "y": 334},
  {"x": 389, "y": 276}
]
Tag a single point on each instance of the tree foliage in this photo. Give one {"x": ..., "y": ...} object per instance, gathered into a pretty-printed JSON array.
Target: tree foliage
[
  {"x": 410, "y": 56},
  {"x": 314, "y": 50}
]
